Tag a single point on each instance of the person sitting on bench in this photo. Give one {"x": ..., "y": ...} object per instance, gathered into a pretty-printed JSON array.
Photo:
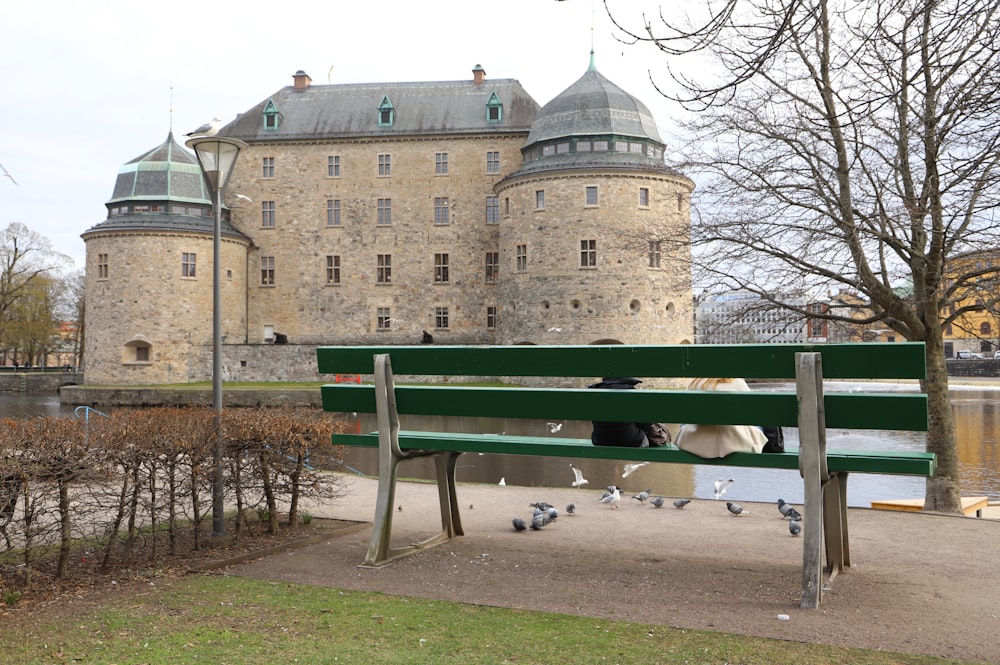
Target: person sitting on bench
[
  {"x": 624, "y": 434},
  {"x": 712, "y": 441}
]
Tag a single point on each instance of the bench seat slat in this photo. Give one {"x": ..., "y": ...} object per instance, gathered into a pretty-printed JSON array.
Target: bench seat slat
[
  {"x": 883, "y": 411},
  {"x": 861, "y": 461}
]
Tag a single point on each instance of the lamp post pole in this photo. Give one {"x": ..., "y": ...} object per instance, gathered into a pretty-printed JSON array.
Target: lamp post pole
[{"x": 217, "y": 157}]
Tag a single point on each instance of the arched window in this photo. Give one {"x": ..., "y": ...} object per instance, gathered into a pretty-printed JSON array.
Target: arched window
[
  {"x": 137, "y": 351},
  {"x": 984, "y": 329}
]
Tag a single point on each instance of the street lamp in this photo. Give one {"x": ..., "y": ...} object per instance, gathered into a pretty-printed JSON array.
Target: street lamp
[{"x": 217, "y": 157}]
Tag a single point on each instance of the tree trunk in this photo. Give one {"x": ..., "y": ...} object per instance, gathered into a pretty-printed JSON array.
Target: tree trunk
[{"x": 942, "y": 492}]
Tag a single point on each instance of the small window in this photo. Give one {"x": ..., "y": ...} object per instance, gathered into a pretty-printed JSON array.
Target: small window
[
  {"x": 491, "y": 317},
  {"x": 333, "y": 212},
  {"x": 506, "y": 206},
  {"x": 492, "y": 209},
  {"x": 333, "y": 166},
  {"x": 492, "y": 267},
  {"x": 521, "y": 253},
  {"x": 441, "y": 318},
  {"x": 592, "y": 196},
  {"x": 142, "y": 354},
  {"x": 384, "y": 211},
  {"x": 984, "y": 329},
  {"x": 653, "y": 253},
  {"x": 441, "y": 163},
  {"x": 267, "y": 271},
  {"x": 382, "y": 318},
  {"x": 267, "y": 167},
  {"x": 644, "y": 197},
  {"x": 187, "y": 264},
  {"x": 271, "y": 116},
  {"x": 385, "y": 165},
  {"x": 600, "y": 146},
  {"x": 386, "y": 113},
  {"x": 102, "y": 266},
  {"x": 440, "y": 268},
  {"x": 680, "y": 202},
  {"x": 383, "y": 269},
  {"x": 333, "y": 269},
  {"x": 493, "y": 161},
  {"x": 540, "y": 199},
  {"x": 267, "y": 214},
  {"x": 588, "y": 253},
  {"x": 441, "y": 216},
  {"x": 494, "y": 109}
]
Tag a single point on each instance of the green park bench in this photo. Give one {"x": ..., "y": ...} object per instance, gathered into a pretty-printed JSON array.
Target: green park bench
[{"x": 435, "y": 371}]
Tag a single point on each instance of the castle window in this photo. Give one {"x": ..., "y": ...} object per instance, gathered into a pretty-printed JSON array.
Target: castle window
[
  {"x": 386, "y": 113},
  {"x": 540, "y": 199},
  {"x": 600, "y": 146},
  {"x": 680, "y": 202},
  {"x": 440, "y": 268},
  {"x": 267, "y": 271},
  {"x": 382, "y": 320},
  {"x": 653, "y": 253},
  {"x": 333, "y": 166},
  {"x": 267, "y": 214},
  {"x": 187, "y": 264},
  {"x": 271, "y": 119},
  {"x": 644, "y": 197},
  {"x": 102, "y": 266},
  {"x": 441, "y": 163},
  {"x": 384, "y": 210},
  {"x": 267, "y": 168},
  {"x": 441, "y": 318},
  {"x": 492, "y": 267},
  {"x": 494, "y": 109},
  {"x": 588, "y": 253},
  {"x": 583, "y": 146},
  {"x": 493, "y": 161},
  {"x": 591, "y": 196},
  {"x": 440, "y": 210},
  {"x": 491, "y": 317},
  {"x": 492, "y": 210},
  {"x": 385, "y": 165},
  {"x": 333, "y": 212},
  {"x": 521, "y": 253},
  {"x": 562, "y": 148},
  {"x": 548, "y": 150},
  {"x": 142, "y": 354},
  {"x": 333, "y": 269},
  {"x": 383, "y": 268},
  {"x": 137, "y": 351}
]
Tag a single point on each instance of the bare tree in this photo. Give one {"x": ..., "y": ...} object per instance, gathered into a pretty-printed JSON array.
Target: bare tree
[{"x": 847, "y": 145}]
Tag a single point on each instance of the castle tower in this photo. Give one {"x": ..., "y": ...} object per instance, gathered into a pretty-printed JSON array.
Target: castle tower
[
  {"x": 149, "y": 275},
  {"x": 584, "y": 220}
]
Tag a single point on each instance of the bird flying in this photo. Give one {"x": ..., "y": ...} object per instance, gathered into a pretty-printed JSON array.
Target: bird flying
[
  {"x": 244, "y": 197},
  {"x": 721, "y": 486},
  {"x": 6, "y": 173},
  {"x": 554, "y": 427},
  {"x": 580, "y": 480},
  {"x": 208, "y": 129},
  {"x": 632, "y": 468}
]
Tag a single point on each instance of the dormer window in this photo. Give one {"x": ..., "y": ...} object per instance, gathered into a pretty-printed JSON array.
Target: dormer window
[
  {"x": 494, "y": 109},
  {"x": 386, "y": 113},
  {"x": 270, "y": 116}
]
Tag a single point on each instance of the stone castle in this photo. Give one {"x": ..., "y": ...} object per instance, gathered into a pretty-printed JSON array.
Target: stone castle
[{"x": 448, "y": 212}]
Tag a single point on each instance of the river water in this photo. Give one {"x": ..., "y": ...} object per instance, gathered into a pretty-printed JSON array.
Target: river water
[{"x": 977, "y": 420}]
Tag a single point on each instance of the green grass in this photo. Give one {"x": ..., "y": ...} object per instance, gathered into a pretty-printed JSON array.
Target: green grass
[{"x": 241, "y": 621}]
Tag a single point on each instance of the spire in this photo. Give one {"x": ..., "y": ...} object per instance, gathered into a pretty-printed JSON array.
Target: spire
[{"x": 593, "y": 64}]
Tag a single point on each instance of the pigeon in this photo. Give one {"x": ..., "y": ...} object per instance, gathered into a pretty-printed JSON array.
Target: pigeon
[
  {"x": 721, "y": 486},
  {"x": 736, "y": 509},
  {"x": 554, "y": 427},
  {"x": 632, "y": 468},
  {"x": 503, "y": 482},
  {"x": 613, "y": 498},
  {"x": 680, "y": 503},
  {"x": 657, "y": 501},
  {"x": 208, "y": 129},
  {"x": 552, "y": 513},
  {"x": 794, "y": 527},
  {"x": 642, "y": 496},
  {"x": 519, "y": 524},
  {"x": 541, "y": 505},
  {"x": 787, "y": 510},
  {"x": 539, "y": 520},
  {"x": 570, "y": 508},
  {"x": 580, "y": 480}
]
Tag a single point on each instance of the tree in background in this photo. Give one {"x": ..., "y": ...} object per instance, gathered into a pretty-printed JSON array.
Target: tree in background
[{"x": 844, "y": 145}]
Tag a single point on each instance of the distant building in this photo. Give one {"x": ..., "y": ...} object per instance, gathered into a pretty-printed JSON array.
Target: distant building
[
  {"x": 742, "y": 317},
  {"x": 371, "y": 213}
]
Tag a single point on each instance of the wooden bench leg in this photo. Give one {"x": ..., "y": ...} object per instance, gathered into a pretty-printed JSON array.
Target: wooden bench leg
[{"x": 838, "y": 551}]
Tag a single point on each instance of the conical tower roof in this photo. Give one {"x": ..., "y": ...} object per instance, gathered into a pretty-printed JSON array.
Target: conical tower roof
[{"x": 168, "y": 172}]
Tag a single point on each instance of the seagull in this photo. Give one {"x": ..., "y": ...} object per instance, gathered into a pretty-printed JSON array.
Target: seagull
[
  {"x": 795, "y": 527},
  {"x": 554, "y": 427},
  {"x": 580, "y": 480},
  {"x": 244, "y": 197},
  {"x": 570, "y": 508},
  {"x": 6, "y": 173},
  {"x": 657, "y": 501},
  {"x": 680, "y": 503},
  {"x": 503, "y": 481},
  {"x": 643, "y": 496},
  {"x": 736, "y": 509},
  {"x": 519, "y": 524},
  {"x": 613, "y": 498},
  {"x": 208, "y": 129},
  {"x": 632, "y": 468},
  {"x": 721, "y": 486}
]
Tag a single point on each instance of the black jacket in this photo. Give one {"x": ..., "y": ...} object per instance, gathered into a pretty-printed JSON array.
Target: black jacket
[{"x": 611, "y": 433}]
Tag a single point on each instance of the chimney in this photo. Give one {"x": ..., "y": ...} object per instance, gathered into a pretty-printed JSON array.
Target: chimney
[
  {"x": 302, "y": 80},
  {"x": 478, "y": 73}
]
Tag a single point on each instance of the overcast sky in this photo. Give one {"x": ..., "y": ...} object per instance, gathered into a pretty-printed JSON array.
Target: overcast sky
[{"x": 90, "y": 86}]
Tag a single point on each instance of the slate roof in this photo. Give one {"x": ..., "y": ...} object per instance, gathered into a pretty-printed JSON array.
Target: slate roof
[
  {"x": 421, "y": 108},
  {"x": 167, "y": 172}
]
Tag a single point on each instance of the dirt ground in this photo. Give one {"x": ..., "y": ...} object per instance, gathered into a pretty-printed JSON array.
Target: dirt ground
[{"x": 919, "y": 583}]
